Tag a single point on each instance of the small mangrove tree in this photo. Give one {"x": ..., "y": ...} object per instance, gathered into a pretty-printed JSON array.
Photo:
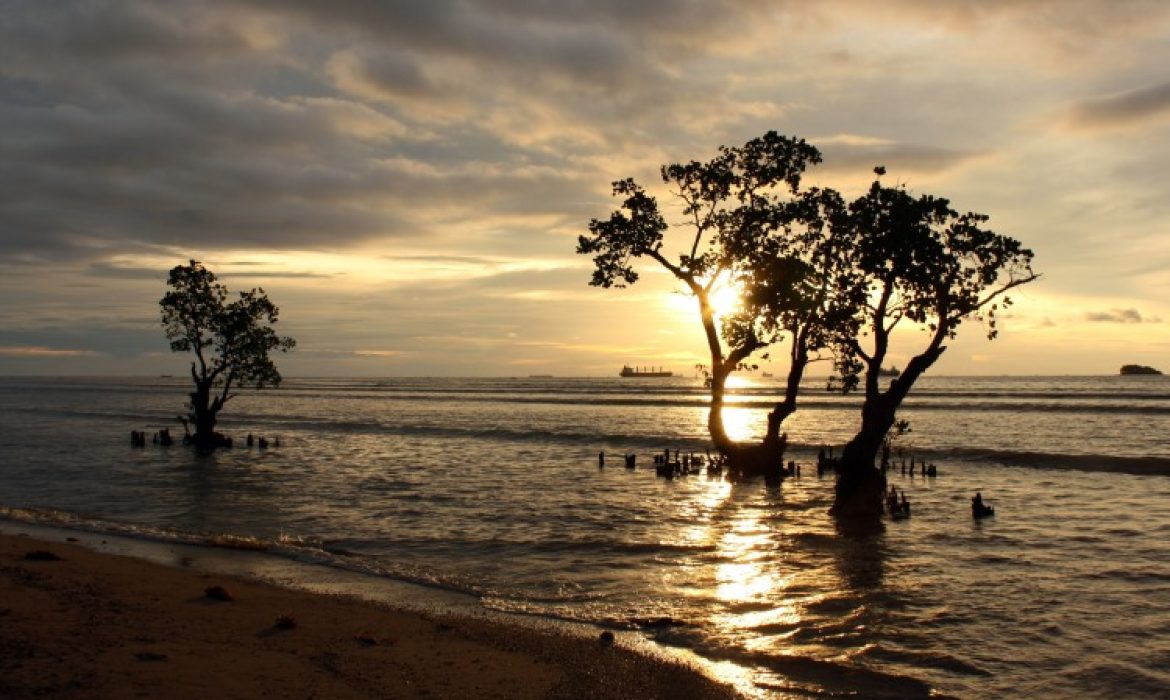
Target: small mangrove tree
[{"x": 232, "y": 342}]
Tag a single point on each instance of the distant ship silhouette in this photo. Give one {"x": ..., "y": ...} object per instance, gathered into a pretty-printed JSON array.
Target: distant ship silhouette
[{"x": 628, "y": 371}]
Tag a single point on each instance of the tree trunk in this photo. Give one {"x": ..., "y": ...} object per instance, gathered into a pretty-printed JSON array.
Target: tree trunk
[
  {"x": 745, "y": 460},
  {"x": 203, "y": 414},
  {"x": 860, "y": 485},
  {"x": 767, "y": 458},
  {"x": 724, "y": 444}
]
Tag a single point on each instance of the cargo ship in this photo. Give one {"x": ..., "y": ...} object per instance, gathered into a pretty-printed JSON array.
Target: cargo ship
[{"x": 628, "y": 371}]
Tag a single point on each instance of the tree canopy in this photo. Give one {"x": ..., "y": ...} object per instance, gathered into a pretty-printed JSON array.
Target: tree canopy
[{"x": 918, "y": 260}]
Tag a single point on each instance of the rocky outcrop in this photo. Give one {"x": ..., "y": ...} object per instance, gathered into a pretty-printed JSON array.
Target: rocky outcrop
[{"x": 1138, "y": 369}]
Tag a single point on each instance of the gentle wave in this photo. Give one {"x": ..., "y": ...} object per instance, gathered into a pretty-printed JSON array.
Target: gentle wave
[
  {"x": 75, "y": 521},
  {"x": 306, "y": 550},
  {"x": 347, "y": 556},
  {"x": 803, "y": 675},
  {"x": 1152, "y": 466},
  {"x": 926, "y": 659},
  {"x": 1012, "y": 404},
  {"x": 1121, "y": 397},
  {"x": 655, "y": 444}
]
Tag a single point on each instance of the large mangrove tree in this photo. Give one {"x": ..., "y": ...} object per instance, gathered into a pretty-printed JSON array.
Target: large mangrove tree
[
  {"x": 912, "y": 260},
  {"x": 746, "y": 224}
]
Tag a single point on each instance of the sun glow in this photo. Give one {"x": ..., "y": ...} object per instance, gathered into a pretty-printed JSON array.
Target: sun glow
[
  {"x": 742, "y": 424},
  {"x": 725, "y": 299}
]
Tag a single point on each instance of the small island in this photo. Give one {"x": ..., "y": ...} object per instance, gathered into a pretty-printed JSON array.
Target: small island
[{"x": 1127, "y": 370}]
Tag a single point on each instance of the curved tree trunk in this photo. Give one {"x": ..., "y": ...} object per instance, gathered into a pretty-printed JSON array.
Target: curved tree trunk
[
  {"x": 860, "y": 484},
  {"x": 202, "y": 416},
  {"x": 723, "y": 443},
  {"x": 765, "y": 458},
  {"x": 204, "y": 409},
  {"x": 745, "y": 459}
]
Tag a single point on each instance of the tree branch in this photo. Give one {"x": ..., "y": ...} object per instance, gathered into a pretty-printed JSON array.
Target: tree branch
[
  {"x": 1002, "y": 290},
  {"x": 744, "y": 351},
  {"x": 683, "y": 275},
  {"x": 227, "y": 385},
  {"x": 856, "y": 348}
]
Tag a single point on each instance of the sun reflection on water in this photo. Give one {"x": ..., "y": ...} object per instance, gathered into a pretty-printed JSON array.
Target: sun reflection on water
[
  {"x": 759, "y": 585},
  {"x": 744, "y": 424},
  {"x": 746, "y": 582},
  {"x": 747, "y": 576}
]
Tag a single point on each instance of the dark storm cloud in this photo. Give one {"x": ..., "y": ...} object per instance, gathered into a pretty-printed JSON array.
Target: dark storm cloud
[
  {"x": 535, "y": 41},
  {"x": 152, "y": 127},
  {"x": 390, "y": 74},
  {"x": 493, "y": 28},
  {"x": 1120, "y": 316},
  {"x": 899, "y": 158},
  {"x": 105, "y": 30},
  {"x": 187, "y": 168},
  {"x": 137, "y": 126},
  {"x": 103, "y": 150},
  {"x": 1123, "y": 108}
]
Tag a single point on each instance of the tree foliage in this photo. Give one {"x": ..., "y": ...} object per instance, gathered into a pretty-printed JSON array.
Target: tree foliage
[
  {"x": 231, "y": 340},
  {"x": 801, "y": 284},
  {"x": 918, "y": 260}
]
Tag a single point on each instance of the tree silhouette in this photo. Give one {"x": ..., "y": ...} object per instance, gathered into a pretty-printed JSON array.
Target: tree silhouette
[
  {"x": 913, "y": 259},
  {"x": 231, "y": 341},
  {"x": 800, "y": 284},
  {"x": 749, "y": 225},
  {"x": 822, "y": 274}
]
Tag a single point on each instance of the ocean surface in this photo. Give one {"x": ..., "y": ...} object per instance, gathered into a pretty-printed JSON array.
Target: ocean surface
[{"x": 490, "y": 488}]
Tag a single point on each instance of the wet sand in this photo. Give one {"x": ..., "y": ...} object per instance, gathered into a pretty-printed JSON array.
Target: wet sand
[{"x": 78, "y": 624}]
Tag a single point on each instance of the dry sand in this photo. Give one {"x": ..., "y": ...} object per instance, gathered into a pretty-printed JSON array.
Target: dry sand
[{"x": 90, "y": 625}]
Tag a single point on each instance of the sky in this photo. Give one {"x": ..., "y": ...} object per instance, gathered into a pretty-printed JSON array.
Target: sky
[{"x": 407, "y": 180}]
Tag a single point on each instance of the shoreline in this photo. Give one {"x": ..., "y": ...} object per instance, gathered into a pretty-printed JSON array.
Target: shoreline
[{"x": 97, "y": 624}]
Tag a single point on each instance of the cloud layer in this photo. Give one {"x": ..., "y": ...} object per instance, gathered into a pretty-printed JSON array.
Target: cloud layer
[{"x": 393, "y": 166}]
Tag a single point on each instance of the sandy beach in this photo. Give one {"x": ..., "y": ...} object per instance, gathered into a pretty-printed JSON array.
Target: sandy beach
[{"x": 79, "y": 624}]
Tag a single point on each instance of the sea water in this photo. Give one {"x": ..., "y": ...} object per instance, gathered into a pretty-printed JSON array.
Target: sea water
[{"x": 491, "y": 488}]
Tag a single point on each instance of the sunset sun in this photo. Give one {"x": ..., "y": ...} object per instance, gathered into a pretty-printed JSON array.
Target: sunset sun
[{"x": 726, "y": 299}]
